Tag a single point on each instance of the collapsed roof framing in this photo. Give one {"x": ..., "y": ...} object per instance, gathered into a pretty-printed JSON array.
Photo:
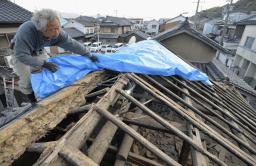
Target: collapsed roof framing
[{"x": 208, "y": 117}]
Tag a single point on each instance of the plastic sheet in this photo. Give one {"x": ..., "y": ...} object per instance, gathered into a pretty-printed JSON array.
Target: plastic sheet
[{"x": 145, "y": 57}]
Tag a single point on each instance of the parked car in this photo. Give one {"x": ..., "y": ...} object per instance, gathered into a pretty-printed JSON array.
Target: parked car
[
  {"x": 117, "y": 46},
  {"x": 88, "y": 45},
  {"x": 104, "y": 48},
  {"x": 96, "y": 47},
  {"x": 109, "y": 49}
]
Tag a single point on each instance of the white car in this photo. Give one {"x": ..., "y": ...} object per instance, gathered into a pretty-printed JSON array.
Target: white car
[
  {"x": 96, "y": 47},
  {"x": 105, "y": 48},
  {"x": 88, "y": 45},
  {"x": 117, "y": 46}
]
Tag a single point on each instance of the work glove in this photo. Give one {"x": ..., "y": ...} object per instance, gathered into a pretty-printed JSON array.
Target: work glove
[
  {"x": 92, "y": 57},
  {"x": 50, "y": 66}
]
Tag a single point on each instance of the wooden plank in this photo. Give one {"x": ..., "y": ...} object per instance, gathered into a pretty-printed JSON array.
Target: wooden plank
[
  {"x": 198, "y": 123},
  {"x": 76, "y": 157},
  {"x": 137, "y": 137},
  {"x": 78, "y": 134},
  {"x": 197, "y": 157},
  {"x": 17, "y": 136}
]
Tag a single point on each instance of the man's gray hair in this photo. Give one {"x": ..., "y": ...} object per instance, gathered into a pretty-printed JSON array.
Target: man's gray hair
[{"x": 42, "y": 17}]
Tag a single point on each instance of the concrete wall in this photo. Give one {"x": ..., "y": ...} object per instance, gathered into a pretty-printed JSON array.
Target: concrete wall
[
  {"x": 4, "y": 43},
  {"x": 167, "y": 26},
  {"x": 190, "y": 48},
  {"x": 250, "y": 30},
  {"x": 114, "y": 30},
  {"x": 151, "y": 30},
  {"x": 227, "y": 60},
  {"x": 245, "y": 59}
]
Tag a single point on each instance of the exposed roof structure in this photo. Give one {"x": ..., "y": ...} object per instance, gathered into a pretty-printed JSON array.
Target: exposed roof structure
[
  {"x": 135, "y": 119},
  {"x": 12, "y": 13},
  {"x": 185, "y": 28},
  {"x": 73, "y": 32},
  {"x": 218, "y": 72}
]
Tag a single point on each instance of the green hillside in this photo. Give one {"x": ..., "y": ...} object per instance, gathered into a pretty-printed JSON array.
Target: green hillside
[{"x": 241, "y": 5}]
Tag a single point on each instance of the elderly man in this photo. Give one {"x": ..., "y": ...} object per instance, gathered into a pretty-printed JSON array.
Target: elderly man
[{"x": 29, "y": 42}]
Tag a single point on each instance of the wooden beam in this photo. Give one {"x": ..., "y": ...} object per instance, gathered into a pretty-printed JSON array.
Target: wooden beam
[
  {"x": 76, "y": 157},
  {"x": 18, "y": 135},
  {"x": 77, "y": 135},
  {"x": 137, "y": 137}
]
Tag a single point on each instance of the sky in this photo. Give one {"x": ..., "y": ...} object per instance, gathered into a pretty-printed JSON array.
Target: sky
[{"x": 146, "y": 9}]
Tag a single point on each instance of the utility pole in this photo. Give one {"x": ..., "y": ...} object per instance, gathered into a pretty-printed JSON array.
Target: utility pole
[
  {"x": 116, "y": 12},
  {"x": 225, "y": 22},
  {"x": 196, "y": 14}
]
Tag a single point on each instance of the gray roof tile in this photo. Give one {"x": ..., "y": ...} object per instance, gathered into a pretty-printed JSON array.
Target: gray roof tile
[
  {"x": 73, "y": 32},
  {"x": 115, "y": 21},
  {"x": 87, "y": 21},
  {"x": 12, "y": 13}
]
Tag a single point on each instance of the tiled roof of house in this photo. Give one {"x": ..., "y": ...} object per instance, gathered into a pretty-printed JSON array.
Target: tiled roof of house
[
  {"x": 115, "y": 21},
  {"x": 248, "y": 21},
  {"x": 12, "y": 13},
  {"x": 87, "y": 21},
  {"x": 185, "y": 28},
  {"x": 139, "y": 33},
  {"x": 73, "y": 32},
  {"x": 107, "y": 36}
]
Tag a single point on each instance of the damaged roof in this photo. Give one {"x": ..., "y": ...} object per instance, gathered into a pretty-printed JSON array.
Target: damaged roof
[{"x": 152, "y": 110}]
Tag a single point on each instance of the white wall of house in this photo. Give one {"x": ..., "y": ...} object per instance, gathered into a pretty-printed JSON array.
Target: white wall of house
[
  {"x": 89, "y": 30},
  {"x": 227, "y": 60},
  {"x": 152, "y": 27},
  {"x": 245, "y": 58}
]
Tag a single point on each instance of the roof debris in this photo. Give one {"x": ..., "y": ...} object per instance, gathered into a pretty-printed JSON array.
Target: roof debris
[{"x": 135, "y": 119}]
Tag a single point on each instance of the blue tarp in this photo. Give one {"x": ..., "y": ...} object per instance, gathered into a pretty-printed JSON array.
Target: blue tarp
[{"x": 145, "y": 57}]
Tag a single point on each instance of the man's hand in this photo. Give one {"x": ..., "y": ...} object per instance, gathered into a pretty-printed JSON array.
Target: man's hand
[
  {"x": 50, "y": 66},
  {"x": 93, "y": 58}
]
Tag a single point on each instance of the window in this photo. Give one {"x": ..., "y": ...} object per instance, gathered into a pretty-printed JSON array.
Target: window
[
  {"x": 249, "y": 41},
  {"x": 153, "y": 26},
  {"x": 112, "y": 30}
]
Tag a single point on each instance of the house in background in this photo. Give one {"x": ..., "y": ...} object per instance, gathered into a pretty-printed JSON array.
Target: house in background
[
  {"x": 115, "y": 25},
  {"x": 87, "y": 25},
  {"x": 189, "y": 44},
  {"x": 74, "y": 33},
  {"x": 201, "y": 51},
  {"x": 245, "y": 62},
  {"x": 137, "y": 24},
  {"x": 11, "y": 17},
  {"x": 111, "y": 28},
  {"x": 151, "y": 27},
  {"x": 139, "y": 36},
  {"x": 170, "y": 23}
]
